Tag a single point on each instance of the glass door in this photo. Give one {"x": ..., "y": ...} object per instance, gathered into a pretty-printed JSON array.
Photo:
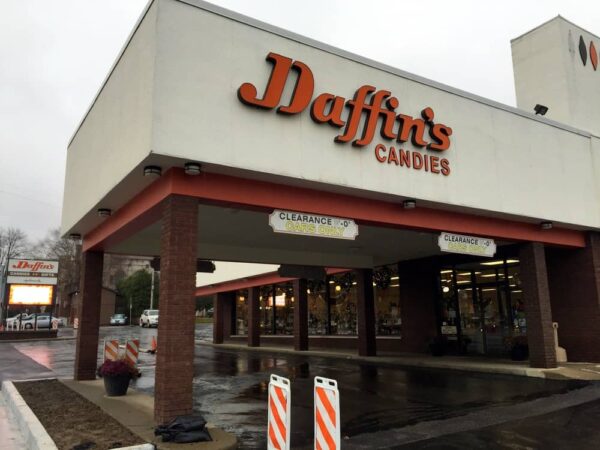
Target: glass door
[{"x": 470, "y": 319}]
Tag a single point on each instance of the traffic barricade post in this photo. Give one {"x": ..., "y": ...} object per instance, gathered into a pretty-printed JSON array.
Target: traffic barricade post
[
  {"x": 327, "y": 414},
  {"x": 111, "y": 349},
  {"x": 280, "y": 413}
]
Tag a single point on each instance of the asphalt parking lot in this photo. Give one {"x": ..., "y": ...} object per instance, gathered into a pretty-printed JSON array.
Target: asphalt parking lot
[{"x": 381, "y": 407}]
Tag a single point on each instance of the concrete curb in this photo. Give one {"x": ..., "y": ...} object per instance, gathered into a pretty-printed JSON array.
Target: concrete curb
[
  {"x": 24, "y": 341},
  {"x": 32, "y": 430},
  {"x": 492, "y": 367}
]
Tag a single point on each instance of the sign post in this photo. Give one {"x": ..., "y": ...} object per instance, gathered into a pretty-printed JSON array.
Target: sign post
[{"x": 30, "y": 282}]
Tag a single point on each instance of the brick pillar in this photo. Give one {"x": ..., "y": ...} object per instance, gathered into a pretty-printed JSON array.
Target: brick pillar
[
  {"x": 253, "y": 317},
  {"x": 300, "y": 315},
  {"x": 223, "y": 316},
  {"x": 574, "y": 281},
  {"x": 175, "y": 352},
  {"x": 536, "y": 296},
  {"x": 365, "y": 309},
  {"x": 86, "y": 353},
  {"x": 418, "y": 293}
]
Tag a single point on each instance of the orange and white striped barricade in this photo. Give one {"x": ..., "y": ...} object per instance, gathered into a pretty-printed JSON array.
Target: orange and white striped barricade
[
  {"x": 111, "y": 349},
  {"x": 153, "y": 345},
  {"x": 76, "y": 323},
  {"x": 132, "y": 351},
  {"x": 280, "y": 413},
  {"x": 327, "y": 414}
]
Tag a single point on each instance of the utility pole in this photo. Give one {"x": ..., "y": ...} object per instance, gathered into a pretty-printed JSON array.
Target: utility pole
[
  {"x": 152, "y": 291},
  {"x": 3, "y": 292}
]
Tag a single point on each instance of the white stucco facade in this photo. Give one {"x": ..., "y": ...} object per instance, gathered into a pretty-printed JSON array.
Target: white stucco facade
[
  {"x": 549, "y": 69},
  {"x": 172, "y": 97}
]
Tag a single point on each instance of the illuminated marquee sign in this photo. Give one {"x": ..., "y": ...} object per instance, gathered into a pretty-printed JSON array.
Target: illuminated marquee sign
[
  {"x": 368, "y": 101},
  {"x": 32, "y": 271},
  {"x": 30, "y": 295}
]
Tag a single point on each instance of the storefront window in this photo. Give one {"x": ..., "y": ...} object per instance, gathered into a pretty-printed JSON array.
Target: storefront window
[
  {"x": 449, "y": 305},
  {"x": 284, "y": 308},
  {"x": 342, "y": 295},
  {"x": 387, "y": 300},
  {"x": 519, "y": 321},
  {"x": 481, "y": 304},
  {"x": 317, "y": 307},
  {"x": 266, "y": 309},
  {"x": 241, "y": 312}
]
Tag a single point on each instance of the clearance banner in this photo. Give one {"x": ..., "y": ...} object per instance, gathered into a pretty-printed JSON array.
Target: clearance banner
[
  {"x": 290, "y": 222},
  {"x": 467, "y": 245}
]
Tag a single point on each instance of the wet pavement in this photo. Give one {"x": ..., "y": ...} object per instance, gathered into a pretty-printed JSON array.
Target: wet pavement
[{"x": 230, "y": 389}]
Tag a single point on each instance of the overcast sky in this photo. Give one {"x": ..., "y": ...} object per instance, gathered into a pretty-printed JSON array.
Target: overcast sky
[{"x": 54, "y": 54}]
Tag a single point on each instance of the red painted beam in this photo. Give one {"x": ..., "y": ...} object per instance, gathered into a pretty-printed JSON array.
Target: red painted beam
[{"x": 212, "y": 188}]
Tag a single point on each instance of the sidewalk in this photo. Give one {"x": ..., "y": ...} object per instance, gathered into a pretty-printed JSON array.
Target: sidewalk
[
  {"x": 136, "y": 412},
  {"x": 565, "y": 371},
  {"x": 10, "y": 436}
]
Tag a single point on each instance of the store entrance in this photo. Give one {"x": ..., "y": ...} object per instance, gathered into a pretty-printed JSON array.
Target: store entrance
[{"x": 481, "y": 306}]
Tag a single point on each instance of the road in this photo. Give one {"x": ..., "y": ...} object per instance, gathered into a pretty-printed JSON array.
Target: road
[{"x": 382, "y": 407}]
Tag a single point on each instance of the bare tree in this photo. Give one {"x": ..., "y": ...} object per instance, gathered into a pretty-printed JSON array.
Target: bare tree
[
  {"x": 13, "y": 244},
  {"x": 68, "y": 254}
]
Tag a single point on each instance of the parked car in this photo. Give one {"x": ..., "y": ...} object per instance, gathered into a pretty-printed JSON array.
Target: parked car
[
  {"x": 118, "y": 319},
  {"x": 13, "y": 322},
  {"x": 149, "y": 318},
  {"x": 43, "y": 321}
]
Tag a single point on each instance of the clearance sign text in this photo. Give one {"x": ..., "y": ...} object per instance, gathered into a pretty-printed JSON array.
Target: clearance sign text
[
  {"x": 290, "y": 222},
  {"x": 368, "y": 107},
  {"x": 466, "y": 245}
]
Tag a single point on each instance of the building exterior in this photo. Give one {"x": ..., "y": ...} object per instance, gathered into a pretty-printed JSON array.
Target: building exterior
[{"x": 217, "y": 137}]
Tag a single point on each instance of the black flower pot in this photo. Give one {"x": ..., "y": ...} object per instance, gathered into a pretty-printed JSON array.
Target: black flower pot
[
  {"x": 519, "y": 353},
  {"x": 116, "y": 385}
]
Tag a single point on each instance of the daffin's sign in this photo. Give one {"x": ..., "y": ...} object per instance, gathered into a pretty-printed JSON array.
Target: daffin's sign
[
  {"x": 32, "y": 271},
  {"x": 368, "y": 101}
]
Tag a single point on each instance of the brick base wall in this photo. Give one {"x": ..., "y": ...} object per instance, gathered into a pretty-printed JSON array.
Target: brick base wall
[
  {"x": 175, "y": 346},
  {"x": 538, "y": 311},
  {"x": 418, "y": 294},
  {"x": 574, "y": 281},
  {"x": 86, "y": 353}
]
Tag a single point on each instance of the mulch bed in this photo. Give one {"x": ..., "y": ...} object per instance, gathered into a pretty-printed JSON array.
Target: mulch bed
[{"x": 73, "y": 422}]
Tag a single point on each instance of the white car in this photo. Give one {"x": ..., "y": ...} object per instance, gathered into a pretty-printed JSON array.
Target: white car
[
  {"x": 42, "y": 322},
  {"x": 149, "y": 318},
  {"x": 12, "y": 323}
]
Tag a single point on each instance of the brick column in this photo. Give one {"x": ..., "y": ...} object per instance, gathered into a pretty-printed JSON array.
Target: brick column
[
  {"x": 418, "y": 294},
  {"x": 86, "y": 353},
  {"x": 536, "y": 295},
  {"x": 253, "y": 317},
  {"x": 300, "y": 315},
  {"x": 574, "y": 281},
  {"x": 175, "y": 352},
  {"x": 365, "y": 309},
  {"x": 223, "y": 316}
]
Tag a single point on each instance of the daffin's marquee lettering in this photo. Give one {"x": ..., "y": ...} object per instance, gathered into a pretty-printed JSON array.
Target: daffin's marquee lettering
[
  {"x": 37, "y": 265},
  {"x": 369, "y": 102}
]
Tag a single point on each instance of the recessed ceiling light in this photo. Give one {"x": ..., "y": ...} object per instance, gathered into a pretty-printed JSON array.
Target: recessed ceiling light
[
  {"x": 192, "y": 168},
  {"x": 409, "y": 204},
  {"x": 152, "y": 171}
]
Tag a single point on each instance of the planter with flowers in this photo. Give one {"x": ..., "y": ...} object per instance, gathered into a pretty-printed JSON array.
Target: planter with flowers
[{"x": 117, "y": 375}]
